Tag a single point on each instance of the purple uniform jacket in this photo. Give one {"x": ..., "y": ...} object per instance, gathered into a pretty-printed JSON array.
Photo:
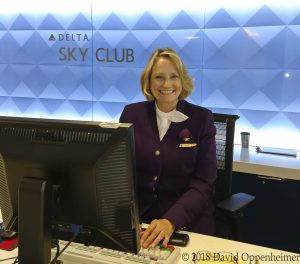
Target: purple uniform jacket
[{"x": 176, "y": 175}]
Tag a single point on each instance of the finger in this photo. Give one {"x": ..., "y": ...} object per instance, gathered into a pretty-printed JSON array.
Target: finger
[
  {"x": 141, "y": 234},
  {"x": 153, "y": 225},
  {"x": 146, "y": 233},
  {"x": 166, "y": 241},
  {"x": 143, "y": 237},
  {"x": 158, "y": 239},
  {"x": 151, "y": 237},
  {"x": 146, "y": 239}
]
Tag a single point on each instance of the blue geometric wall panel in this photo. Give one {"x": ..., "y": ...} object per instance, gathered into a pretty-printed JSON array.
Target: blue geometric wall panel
[
  {"x": 86, "y": 63},
  {"x": 265, "y": 16},
  {"x": 220, "y": 19},
  {"x": 147, "y": 22}
]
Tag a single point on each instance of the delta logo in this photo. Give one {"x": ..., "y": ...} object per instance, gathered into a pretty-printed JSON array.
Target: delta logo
[{"x": 68, "y": 53}]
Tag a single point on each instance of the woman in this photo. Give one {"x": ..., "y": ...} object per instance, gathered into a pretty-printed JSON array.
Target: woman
[{"x": 175, "y": 152}]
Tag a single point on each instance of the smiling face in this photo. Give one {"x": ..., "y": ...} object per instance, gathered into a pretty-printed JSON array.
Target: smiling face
[{"x": 165, "y": 84}]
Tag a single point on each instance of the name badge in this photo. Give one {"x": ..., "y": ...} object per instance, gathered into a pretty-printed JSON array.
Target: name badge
[{"x": 187, "y": 145}]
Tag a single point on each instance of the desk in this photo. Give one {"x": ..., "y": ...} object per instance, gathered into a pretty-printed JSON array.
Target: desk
[
  {"x": 246, "y": 251},
  {"x": 273, "y": 219},
  {"x": 247, "y": 160},
  {"x": 8, "y": 254},
  {"x": 200, "y": 243}
]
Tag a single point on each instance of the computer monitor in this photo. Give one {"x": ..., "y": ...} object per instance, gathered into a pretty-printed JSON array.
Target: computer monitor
[{"x": 54, "y": 173}]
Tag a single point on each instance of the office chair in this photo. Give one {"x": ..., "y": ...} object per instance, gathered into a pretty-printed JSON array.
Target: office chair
[{"x": 229, "y": 207}]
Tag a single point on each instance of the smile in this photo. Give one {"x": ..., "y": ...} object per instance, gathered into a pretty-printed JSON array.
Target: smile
[{"x": 166, "y": 91}]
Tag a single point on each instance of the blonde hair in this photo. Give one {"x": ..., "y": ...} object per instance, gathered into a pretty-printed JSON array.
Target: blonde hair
[{"x": 187, "y": 82}]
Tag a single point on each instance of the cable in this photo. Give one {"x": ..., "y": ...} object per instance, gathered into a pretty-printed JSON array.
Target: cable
[
  {"x": 16, "y": 260},
  {"x": 56, "y": 243},
  {"x": 58, "y": 253},
  {"x": 112, "y": 239},
  {"x": 8, "y": 259},
  {"x": 76, "y": 230}
]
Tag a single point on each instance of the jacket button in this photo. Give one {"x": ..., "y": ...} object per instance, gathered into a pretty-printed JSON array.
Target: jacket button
[{"x": 157, "y": 153}]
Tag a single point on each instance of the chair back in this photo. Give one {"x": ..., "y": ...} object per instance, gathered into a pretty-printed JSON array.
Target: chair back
[{"x": 225, "y": 125}]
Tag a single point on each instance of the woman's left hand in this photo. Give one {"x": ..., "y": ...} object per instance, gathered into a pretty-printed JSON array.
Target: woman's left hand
[{"x": 158, "y": 230}]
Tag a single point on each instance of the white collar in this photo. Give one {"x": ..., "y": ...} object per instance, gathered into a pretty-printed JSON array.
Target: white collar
[
  {"x": 173, "y": 116},
  {"x": 164, "y": 120}
]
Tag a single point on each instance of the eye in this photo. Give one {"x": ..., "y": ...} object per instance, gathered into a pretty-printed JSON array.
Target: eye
[
  {"x": 158, "y": 77},
  {"x": 175, "y": 76}
]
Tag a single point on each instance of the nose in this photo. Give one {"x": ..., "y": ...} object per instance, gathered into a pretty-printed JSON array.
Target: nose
[{"x": 168, "y": 82}]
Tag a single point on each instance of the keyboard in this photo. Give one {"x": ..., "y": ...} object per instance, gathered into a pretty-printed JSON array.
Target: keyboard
[{"x": 78, "y": 253}]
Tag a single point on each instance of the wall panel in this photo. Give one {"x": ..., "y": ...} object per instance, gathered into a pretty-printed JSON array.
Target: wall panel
[{"x": 83, "y": 61}]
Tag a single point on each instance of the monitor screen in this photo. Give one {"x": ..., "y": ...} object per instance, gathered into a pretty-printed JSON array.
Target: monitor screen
[{"x": 89, "y": 169}]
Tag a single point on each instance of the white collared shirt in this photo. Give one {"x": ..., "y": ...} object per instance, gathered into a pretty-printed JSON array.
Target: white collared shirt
[{"x": 164, "y": 120}]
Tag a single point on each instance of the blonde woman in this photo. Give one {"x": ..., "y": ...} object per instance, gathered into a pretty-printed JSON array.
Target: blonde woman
[{"x": 175, "y": 152}]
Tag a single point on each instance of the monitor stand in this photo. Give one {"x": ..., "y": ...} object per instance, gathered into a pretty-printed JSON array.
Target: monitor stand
[{"x": 34, "y": 223}]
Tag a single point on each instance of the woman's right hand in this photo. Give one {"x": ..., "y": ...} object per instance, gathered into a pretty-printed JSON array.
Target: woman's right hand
[{"x": 159, "y": 230}]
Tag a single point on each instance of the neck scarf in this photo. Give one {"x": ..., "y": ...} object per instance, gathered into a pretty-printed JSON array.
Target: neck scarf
[{"x": 164, "y": 120}]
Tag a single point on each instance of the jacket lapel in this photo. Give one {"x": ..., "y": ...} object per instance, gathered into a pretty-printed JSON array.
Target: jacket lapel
[{"x": 152, "y": 119}]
